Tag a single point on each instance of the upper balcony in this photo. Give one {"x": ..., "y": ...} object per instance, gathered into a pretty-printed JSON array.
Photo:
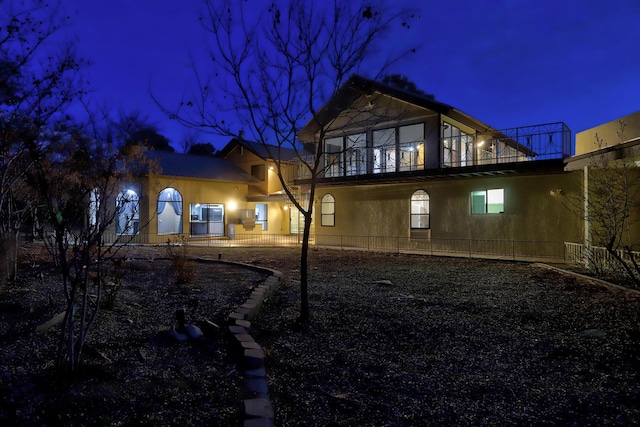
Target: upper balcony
[{"x": 409, "y": 152}]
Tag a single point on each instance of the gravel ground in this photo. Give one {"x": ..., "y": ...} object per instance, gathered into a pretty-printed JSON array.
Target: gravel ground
[{"x": 395, "y": 340}]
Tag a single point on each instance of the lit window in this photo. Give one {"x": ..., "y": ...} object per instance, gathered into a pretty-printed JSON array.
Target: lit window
[
  {"x": 327, "y": 211},
  {"x": 420, "y": 209},
  {"x": 489, "y": 201},
  {"x": 384, "y": 150},
  {"x": 127, "y": 212},
  {"x": 333, "y": 157},
  {"x": 169, "y": 211}
]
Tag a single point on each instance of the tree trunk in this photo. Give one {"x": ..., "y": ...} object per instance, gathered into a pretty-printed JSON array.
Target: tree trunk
[
  {"x": 8, "y": 256},
  {"x": 305, "y": 312}
]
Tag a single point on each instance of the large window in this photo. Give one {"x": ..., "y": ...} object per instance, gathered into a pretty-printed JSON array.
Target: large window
[
  {"x": 207, "y": 219},
  {"x": 169, "y": 211},
  {"x": 127, "y": 212},
  {"x": 487, "y": 202},
  {"x": 457, "y": 147},
  {"x": 384, "y": 150},
  {"x": 420, "y": 210},
  {"x": 328, "y": 211},
  {"x": 333, "y": 157},
  {"x": 412, "y": 147},
  {"x": 356, "y": 154}
]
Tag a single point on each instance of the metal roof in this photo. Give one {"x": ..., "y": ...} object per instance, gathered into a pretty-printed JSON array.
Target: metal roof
[{"x": 203, "y": 167}]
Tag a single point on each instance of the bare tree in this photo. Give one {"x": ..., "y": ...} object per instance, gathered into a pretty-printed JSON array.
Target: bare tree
[
  {"x": 274, "y": 70},
  {"x": 610, "y": 206},
  {"x": 37, "y": 81},
  {"x": 79, "y": 180}
]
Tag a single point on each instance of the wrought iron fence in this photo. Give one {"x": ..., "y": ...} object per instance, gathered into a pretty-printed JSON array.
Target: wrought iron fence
[{"x": 521, "y": 250}]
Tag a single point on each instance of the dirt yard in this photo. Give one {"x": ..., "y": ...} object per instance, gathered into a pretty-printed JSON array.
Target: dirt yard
[{"x": 395, "y": 340}]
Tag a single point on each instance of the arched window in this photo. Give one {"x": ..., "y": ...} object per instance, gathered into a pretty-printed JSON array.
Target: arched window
[
  {"x": 420, "y": 210},
  {"x": 169, "y": 211},
  {"x": 328, "y": 211},
  {"x": 127, "y": 212}
]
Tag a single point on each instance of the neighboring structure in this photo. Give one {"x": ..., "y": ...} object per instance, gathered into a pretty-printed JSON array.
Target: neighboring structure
[{"x": 607, "y": 159}]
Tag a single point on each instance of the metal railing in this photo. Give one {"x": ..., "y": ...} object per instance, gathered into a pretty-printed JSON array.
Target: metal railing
[
  {"x": 513, "y": 145},
  {"x": 520, "y": 250},
  {"x": 596, "y": 256}
]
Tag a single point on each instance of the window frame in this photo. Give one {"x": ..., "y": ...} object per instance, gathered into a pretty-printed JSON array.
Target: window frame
[
  {"x": 487, "y": 195},
  {"x": 328, "y": 216},
  {"x": 426, "y": 213}
]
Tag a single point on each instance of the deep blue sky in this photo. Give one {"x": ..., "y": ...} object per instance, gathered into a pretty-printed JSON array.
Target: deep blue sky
[{"x": 507, "y": 63}]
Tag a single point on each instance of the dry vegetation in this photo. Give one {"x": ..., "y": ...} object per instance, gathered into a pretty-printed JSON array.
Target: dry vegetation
[{"x": 395, "y": 340}]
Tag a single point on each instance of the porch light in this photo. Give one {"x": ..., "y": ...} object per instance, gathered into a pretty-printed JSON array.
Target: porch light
[
  {"x": 233, "y": 206},
  {"x": 480, "y": 143}
]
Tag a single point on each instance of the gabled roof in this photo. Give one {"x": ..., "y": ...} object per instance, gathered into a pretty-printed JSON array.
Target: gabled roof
[
  {"x": 204, "y": 167},
  {"x": 357, "y": 86},
  {"x": 269, "y": 152}
]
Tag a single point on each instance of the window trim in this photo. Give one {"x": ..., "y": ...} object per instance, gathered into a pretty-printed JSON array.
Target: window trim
[
  {"x": 419, "y": 214},
  {"x": 328, "y": 219},
  {"x": 486, "y": 195}
]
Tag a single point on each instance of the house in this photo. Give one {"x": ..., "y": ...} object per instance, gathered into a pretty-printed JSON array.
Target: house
[
  {"x": 400, "y": 171},
  {"x": 407, "y": 167},
  {"x": 203, "y": 197}
]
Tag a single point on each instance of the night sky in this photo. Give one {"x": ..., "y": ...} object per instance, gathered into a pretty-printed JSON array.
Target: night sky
[{"x": 507, "y": 63}]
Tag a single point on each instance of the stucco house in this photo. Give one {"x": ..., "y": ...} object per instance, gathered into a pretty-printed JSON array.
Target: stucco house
[
  {"x": 401, "y": 170},
  {"x": 431, "y": 176},
  {"x": 236, "y": 192}
]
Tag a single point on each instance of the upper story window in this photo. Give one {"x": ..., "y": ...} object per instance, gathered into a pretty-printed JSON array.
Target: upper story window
[
  {"x": 333, "y": 153},
  {"x": 356, "y": 154},
  {"x": 457, "y": 147},
  {"x": 389, "y": 150},
  {"x": 384, "y": 150},
  {"x": 487, "y": 201},
  {"x": 258, "y": 171},
  {"x": 411, "y": 147},
  {"x": 420, "y": 210},
  {"x": 328, "y": 211}
]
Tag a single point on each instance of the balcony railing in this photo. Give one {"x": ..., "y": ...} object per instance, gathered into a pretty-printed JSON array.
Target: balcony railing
[{"x": 514, "y": 145}]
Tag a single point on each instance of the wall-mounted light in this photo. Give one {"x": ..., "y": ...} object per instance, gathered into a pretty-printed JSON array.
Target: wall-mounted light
[
  {"x": 480, "y": 143},
  {"x": 232, "y": 205}
]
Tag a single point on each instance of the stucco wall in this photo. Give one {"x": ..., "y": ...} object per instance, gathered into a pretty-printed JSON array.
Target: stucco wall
[
  {"x": 531, "y": 211},
  {"x": 608, "y": 133}
]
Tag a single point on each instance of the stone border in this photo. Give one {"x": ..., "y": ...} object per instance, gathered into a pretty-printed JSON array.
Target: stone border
[
  {"x": 590, "y": 278},
  {"x": 258, "y": 411}
]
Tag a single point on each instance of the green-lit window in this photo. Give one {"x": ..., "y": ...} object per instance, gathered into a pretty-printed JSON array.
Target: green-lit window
[
  {"x": 487, "y": 201},
  {"x": 328, "y": 211}
]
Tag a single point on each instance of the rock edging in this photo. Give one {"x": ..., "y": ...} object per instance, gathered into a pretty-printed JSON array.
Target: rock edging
[{"x": 258, "y": 411}]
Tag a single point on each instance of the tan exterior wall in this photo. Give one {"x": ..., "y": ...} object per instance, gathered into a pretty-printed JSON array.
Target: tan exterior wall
[
  {"x": 608, "y": 133},
  {"x": 531, "y": 212},
  {"x": 203, "y": 191}
]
